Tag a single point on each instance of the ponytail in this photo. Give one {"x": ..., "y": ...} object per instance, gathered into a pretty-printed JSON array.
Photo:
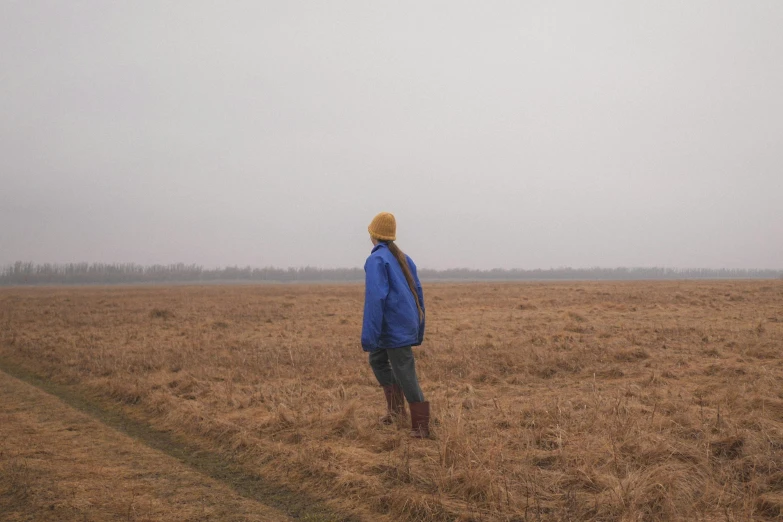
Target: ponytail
[{"x": 406, "y": 270}]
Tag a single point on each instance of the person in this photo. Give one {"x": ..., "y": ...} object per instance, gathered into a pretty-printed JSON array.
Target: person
[{"x": 394, "y": 320}]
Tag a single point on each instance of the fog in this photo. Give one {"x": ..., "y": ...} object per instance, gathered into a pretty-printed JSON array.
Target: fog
[{"x": 501, "y": 134}]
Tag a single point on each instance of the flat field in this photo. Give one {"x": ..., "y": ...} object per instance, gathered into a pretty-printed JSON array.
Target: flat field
[{"x": 551, "y": 401}]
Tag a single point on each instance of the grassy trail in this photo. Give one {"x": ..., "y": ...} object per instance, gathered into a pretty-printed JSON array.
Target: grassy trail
[{"x": 66, "y": 456}]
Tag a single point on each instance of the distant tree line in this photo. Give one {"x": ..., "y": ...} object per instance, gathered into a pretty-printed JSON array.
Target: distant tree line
[
  {"x": 21, "y": 273},
  {"x": 599, "y": 274},
  {"x": 25, "y": 273}
]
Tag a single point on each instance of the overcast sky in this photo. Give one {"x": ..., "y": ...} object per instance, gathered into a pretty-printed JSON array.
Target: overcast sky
[{"x": 501, "y": 134}]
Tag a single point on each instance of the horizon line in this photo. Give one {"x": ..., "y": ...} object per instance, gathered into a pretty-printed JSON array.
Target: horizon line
[{"x": 202, "y": 267}]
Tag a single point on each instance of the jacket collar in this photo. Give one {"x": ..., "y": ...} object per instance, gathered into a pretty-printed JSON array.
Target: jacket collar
[{"x": 379, "y": 245}]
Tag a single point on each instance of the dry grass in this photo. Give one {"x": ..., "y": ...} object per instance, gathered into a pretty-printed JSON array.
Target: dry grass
[
  {"x": 562, "y": 401},
  {"x": 59, "y": 464}
]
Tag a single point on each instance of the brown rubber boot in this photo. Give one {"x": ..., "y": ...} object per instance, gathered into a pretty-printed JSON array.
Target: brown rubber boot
[
  {"x": 395, "y": 403},
  {"x": 420, "y": 419}
]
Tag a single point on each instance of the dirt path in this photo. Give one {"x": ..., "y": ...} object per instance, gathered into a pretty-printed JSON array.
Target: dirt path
[{"x": 65, "y": 458}]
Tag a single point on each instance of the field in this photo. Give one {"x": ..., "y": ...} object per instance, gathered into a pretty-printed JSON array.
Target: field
[{"x": 551, "y": 401}]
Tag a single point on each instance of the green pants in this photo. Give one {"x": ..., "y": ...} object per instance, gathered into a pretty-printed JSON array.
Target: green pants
[{"x": 397, "y": 366}]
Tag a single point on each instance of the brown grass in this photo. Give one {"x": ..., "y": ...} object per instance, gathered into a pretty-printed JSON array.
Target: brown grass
[
  {"x": 562, "y": 401},
  {"x": 59, "y": 464}
]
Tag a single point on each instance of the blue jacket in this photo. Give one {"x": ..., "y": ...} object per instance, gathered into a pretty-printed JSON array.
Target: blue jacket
[{"x": 391, "y": 319}]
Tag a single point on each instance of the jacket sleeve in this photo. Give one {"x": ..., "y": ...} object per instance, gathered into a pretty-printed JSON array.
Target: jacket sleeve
[
  {"x": 420, "y": 294},
  {"x": 376, "y": 289}
]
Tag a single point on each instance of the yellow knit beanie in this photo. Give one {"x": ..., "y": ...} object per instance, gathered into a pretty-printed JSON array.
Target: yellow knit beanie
[{"x": 383, "y": 227}]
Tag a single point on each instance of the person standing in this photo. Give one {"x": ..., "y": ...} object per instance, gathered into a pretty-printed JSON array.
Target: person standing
[{"x": 394, "y": 321}]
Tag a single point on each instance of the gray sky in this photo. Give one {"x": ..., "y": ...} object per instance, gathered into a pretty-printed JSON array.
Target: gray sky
[{"x": 501, "y": 134}]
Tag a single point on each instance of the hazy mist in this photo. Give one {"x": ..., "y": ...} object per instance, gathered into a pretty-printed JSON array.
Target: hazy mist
[{"x": 501, "y": 134}]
